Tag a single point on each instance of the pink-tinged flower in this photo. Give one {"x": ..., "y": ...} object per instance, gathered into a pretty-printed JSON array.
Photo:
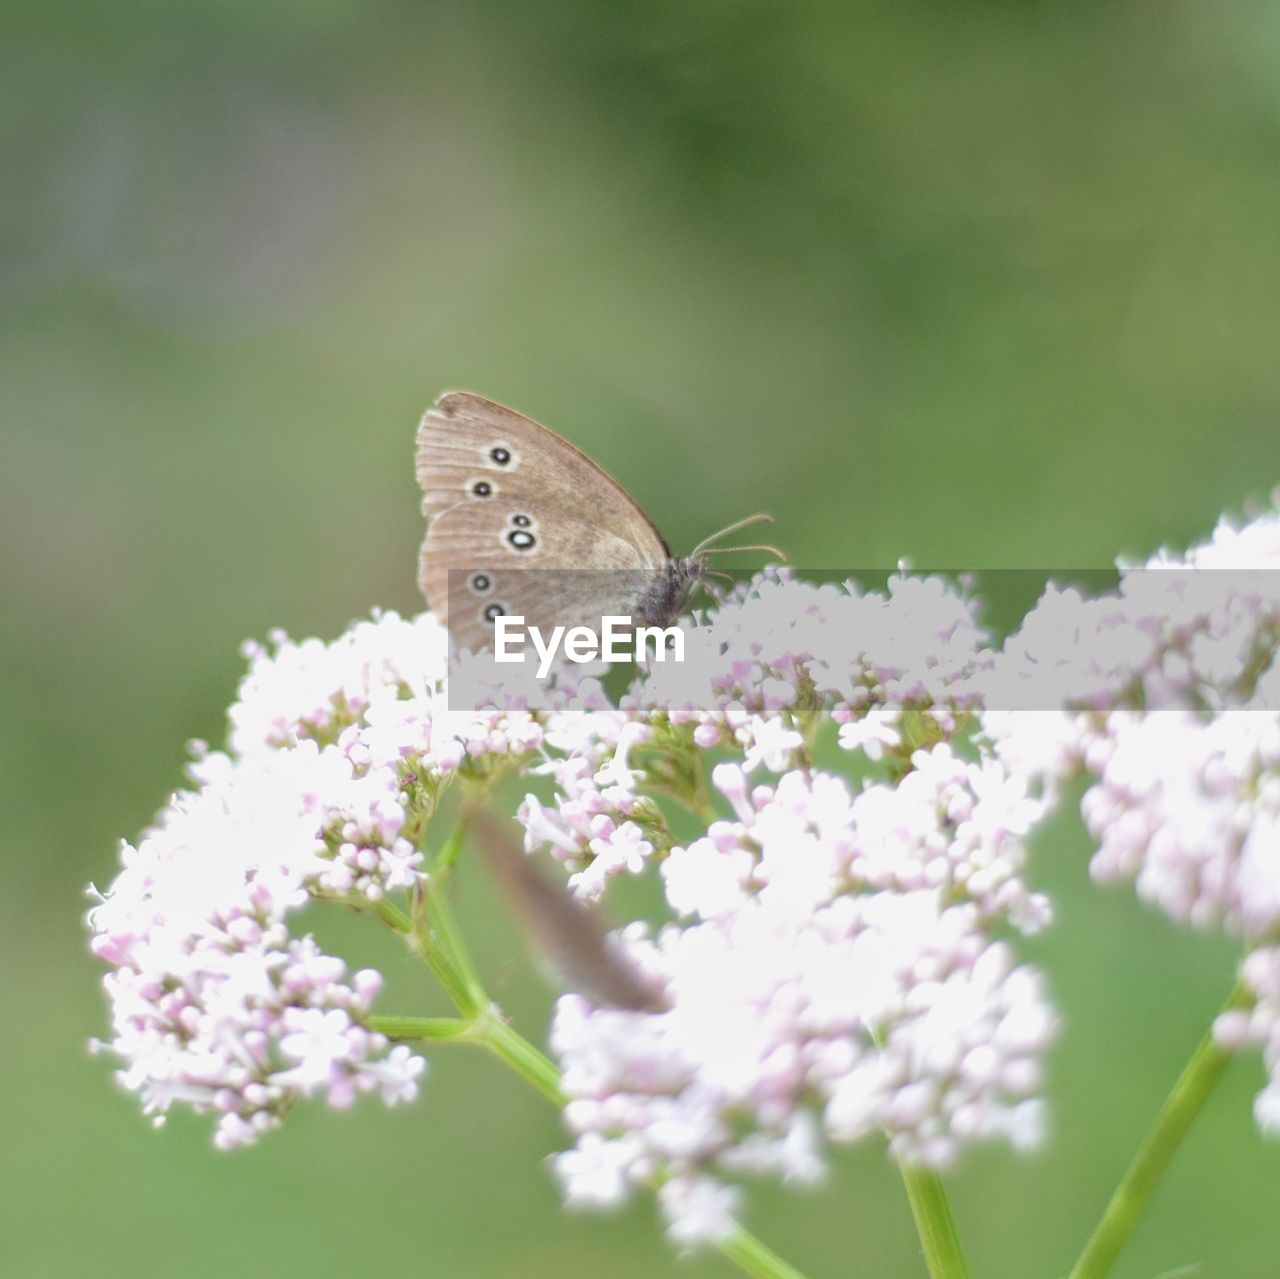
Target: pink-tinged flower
[
  {"x": 770, "y": 742},
  {"x": 1259, "y": 1026},
  {"x": 918, "y": 643},
  {"x": 240, "y": 1024},
  {"x": 214, "y": 1003},
  {"x": 309, "y": 689},
  {"x": 1165, "y": 694},
  {"x": 698, "y": 1209},
  {"x": 598, "y": 821},
  {"x": 776, "y": 649},
  {"x": 818, "y": 988}
]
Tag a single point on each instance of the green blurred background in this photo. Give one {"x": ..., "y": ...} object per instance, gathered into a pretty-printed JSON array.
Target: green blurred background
[{"x": 977, "y": 284}]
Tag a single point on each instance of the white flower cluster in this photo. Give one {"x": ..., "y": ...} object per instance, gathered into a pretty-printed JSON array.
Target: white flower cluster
[
  {"x": 1166, "y": 695},
  {"x": 778, "y": 645},
  {"x": 775, "y": 657},
  {"x": 832, "y": 960},
  {"x": 1185, "y": 801},
  {"x": 599, "y": 824},
  {"x": 832, "y": 973},
  {"x": 333, "y": 749},
  {"x": 1259, "y": 1026}
]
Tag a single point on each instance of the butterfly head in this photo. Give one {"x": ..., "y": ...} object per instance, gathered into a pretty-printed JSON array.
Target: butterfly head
[{"x": 682, "y": 575}]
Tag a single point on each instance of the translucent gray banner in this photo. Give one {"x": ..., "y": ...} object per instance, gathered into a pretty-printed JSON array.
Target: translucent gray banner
[{"x": 1150, "y": 638}]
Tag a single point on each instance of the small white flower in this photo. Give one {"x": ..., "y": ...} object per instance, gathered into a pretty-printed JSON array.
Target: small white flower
[
  {"x": 771, "y": 743},
  {"x": 698, "y": 1210}
]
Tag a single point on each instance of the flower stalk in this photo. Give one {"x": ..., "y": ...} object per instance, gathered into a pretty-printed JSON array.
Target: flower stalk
[
  {"x": 753, "y": 1258},
  {"x": 436, "y": 939},
  {"x": 939, "y": 1239},
  {"x": 1129, "y": 1201}
]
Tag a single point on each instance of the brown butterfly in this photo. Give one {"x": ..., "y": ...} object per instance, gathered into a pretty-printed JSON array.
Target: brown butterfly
[{"x": 503, "y": 495}]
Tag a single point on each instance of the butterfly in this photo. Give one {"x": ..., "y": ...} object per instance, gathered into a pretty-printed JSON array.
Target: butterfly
[{"x": 503, "y": 495}]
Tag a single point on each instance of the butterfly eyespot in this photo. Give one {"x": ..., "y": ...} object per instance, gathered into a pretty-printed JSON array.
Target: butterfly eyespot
[
  {"x": 522, "y": 540},
  {"x": 500, "y": 455},
  {"x": 521, "y": 521},
  {"x": 490, "y": 611},
  {"x": 481, "y": 583},
  {"x": 482, "y": 488}
]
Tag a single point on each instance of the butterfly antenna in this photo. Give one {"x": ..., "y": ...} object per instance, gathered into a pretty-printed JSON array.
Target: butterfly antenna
[
  {"x": 724, "y": 550},
  {"x": 731, "y": 528}
]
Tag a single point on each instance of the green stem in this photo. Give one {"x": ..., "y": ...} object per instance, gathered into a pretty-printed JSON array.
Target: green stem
[
  {"x": 935, "y": 1225},
  {"x": 455, "y": 984},
  {"x": 441, "y": 935},
  {"x": 699, "y": 802},
  {"x": 433, "y": 932},
  {"x": 408, "y": 1029},
  {"x": 452, "y": 847},
  {"x": 434, "y": 935},
  {"x": 393, "y": 917},
  {"x": 489, "y": 1030},
  {"x": 753, "y": 1258},
  {"x": 513, "y": 1048},
  {"x": 1139, "y": 1182},
  {"x": 742, "y": 1247}
]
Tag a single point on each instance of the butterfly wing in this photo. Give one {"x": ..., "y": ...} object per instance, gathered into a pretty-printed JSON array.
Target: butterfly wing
[
  {"x": 471, "y": 450},
  {"x": 503, "y": 495},
  {"x": 528, "y": 559}
]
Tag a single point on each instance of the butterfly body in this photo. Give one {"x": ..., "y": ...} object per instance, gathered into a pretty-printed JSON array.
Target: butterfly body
[{"x": 666, "y": 594}]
